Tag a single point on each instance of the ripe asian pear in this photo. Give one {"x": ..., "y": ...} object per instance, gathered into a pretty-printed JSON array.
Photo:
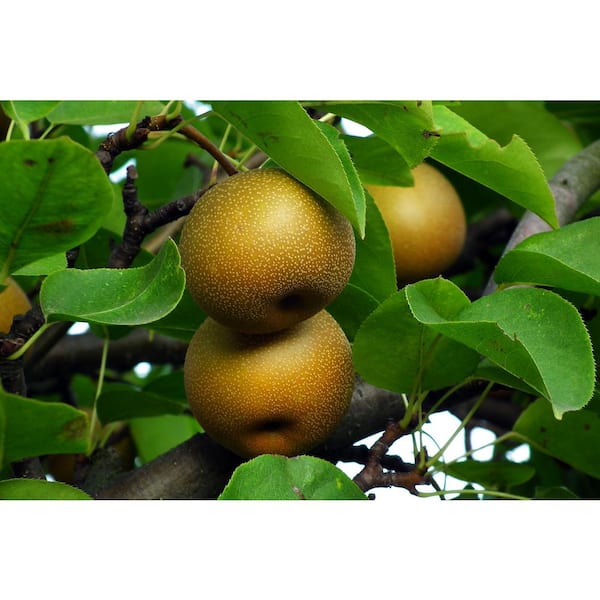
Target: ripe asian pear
[
  {"x": 279, "y": 393},
  {"x": 426, "y": 223},
  {"x": 262, "y": 252}
]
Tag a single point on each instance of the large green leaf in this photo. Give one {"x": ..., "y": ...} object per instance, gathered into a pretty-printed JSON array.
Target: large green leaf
[
  {"x": 395, "y": 351},
  {"x": 511, "y": 170},
  {"x": 54, "y": 199},
  {"x": 35, "y": 428},
  {"x": 561, "y": 258},
  {"x": 552, "y": 140},
  {"x": 575, "y": 439},
  {"x": 273, "y": 477},
  {"x": 533, "y": 334},
  {"x": 131, "y": 296},
  {"x": 285, "y": 132},
  {"x": 38, "y": 489},
  {"x": 408, "y": 127},
  {"x": 101, "y": 112}
]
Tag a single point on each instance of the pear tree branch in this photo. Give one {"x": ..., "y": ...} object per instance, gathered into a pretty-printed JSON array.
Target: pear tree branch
[
  {"x": 572, "y": 185},
  {"x": 125, "y": 139}
]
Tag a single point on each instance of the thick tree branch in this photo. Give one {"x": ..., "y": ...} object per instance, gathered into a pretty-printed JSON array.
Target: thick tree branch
[
  {"x": 197, "y": 469},
  {"x": 81, "y": 354},
  {"x": 371, "y": 410}
]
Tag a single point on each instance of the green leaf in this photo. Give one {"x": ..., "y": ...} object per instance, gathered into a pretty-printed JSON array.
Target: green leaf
[
  {"x": 552, "y": 141},
  {"x": 26, "y": 111},
  {"x": 575, "y": 439},
  {"x": 533, "y": 334},
  {"x": 554, "y": 493},
  {"x": 170, "y": 385},
  {"x": 491, "y": 474},
  {"x": 351, "y": 308},
  {"x": 2, "y": 433},
  {"x": 273, "y": 477},
  {"x": 55, "y": 199},
  {"x": 35, "y": 428},
  {"x": 285, "y": 132},
  {"x": 183, "y": 321},
  {"x": 490, "y": 371},
  {"x": 511, "y": 170},
  {"x": 101, "y": 112},
  {"x": 153, "y": 436},
  {"x": 120, "y": 402},
  {"x": 44, "y": 266},
  {"x": 395, "y": 351},
  {"x": 131, "y": 296},
  {"x": 374, "y": 270},
  {"x": 162, "y": 174},
  {"x": 337, "y": 143},
  {"x": 377, "y": 162},
  {"x": 559, "y": 258},
  {"x": 38, "y": 489},
  {"x": 408, "y": 127}
]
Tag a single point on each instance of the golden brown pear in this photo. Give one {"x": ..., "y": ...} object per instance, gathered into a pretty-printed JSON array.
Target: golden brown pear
[
  {"x": 278, "y": 393},
  {"x": 262, "y": 252},
  {"x": 426, "y": 223},
  {"x": 13, "y": 301}
]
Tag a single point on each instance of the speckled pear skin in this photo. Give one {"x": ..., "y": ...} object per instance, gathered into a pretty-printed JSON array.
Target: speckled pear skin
[
  {"x": 262, "y": 252},
  {"x": 280, "y": 393},
  {"x": 426, "y": 223}
]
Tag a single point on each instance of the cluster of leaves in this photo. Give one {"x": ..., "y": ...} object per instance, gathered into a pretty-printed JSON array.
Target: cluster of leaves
[{"x": 531, "y": 341}]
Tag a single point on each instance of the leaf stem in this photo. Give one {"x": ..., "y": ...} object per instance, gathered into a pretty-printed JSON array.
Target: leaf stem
[
  {"x": 133, "y": 121},
  {"x": 468, "y": 417},
  {"x": 473, "y": 492},
  {"x": 101, "y": 375},
  {"x": 10, "y": 130},
  {"x": 199, "y": 138},
  {"x": 16, "y": 355}
]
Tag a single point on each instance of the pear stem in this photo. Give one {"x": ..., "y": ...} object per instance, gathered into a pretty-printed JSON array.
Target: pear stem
[{"x": 196, "y": 136}]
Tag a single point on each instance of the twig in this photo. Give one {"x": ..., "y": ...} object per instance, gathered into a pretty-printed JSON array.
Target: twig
[
  {"x": 124, "y": 139},
  {"x": 373, "y": 475},
  {"x": 141, "y": 222}
]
